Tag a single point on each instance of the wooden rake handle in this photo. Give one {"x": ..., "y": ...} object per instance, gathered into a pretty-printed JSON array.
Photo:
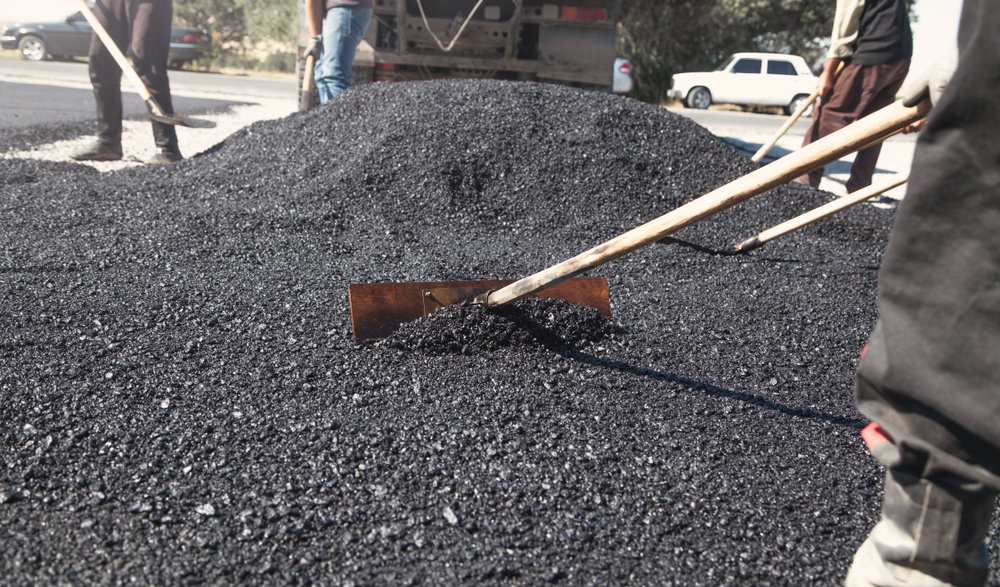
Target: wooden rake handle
[
  {"x": 828, "y": 209},
  {"x": 784, "y": 127},
  {"x": 826, "y": 150},
  {"x": 118, "y": 55},
  {"x": 791, "y": 120}
]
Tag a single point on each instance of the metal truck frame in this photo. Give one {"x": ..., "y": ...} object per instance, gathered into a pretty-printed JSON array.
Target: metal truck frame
[{"x": 570, "y": 42}]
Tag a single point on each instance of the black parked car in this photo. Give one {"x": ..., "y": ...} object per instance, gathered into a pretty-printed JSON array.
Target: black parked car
[{"x": 71, "y": 38}]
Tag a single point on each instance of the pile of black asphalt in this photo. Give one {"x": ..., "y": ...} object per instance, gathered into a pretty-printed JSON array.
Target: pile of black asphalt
[
  {"x": 183, "y": 401},
  {"x": 17, "y": 138}
]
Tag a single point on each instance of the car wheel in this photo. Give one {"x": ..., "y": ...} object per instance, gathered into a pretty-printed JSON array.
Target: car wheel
[
  {"x": 176, "y": 64},
  {"x": 32, "y": 48},
  {"x": 796, "y": 103},
  {"x": 699, "y": 98}
]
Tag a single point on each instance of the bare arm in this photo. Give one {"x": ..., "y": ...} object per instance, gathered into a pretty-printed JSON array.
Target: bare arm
[
  {"x": 828, "y": 77},
  {"x": 315, "y": 11}
]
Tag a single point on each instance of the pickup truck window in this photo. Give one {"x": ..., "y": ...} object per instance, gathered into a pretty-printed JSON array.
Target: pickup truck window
[
  {"x": 781, "y": 68},
  {"x": 747, "y": 66},
  {"x": 725, "y": 64}
]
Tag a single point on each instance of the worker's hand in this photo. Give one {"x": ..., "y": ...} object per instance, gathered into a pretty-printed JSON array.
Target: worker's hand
[
  {"x": 915, "y": 127},
  {"x": 828, "y": 78},
  {"x": 314, "y": 47},
  {"x": 933, "y": 81}
]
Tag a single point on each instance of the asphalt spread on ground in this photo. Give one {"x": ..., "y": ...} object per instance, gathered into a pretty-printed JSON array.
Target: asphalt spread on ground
[{"x": 183, "y": 401}]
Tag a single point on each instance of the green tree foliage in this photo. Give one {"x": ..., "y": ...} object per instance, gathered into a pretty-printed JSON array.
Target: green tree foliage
[
  {"x": 239, "y": 20},
  {"x": 664, "y": 37},
  {"x": 223, "y": 19},
  {"x": 271, "y": 19}
]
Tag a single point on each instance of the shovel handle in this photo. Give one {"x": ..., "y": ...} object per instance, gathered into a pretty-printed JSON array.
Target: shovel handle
[
  {"x": 307, "y": 82},
  {"x": 791, "y": 120},
  {"x": 117, "y": 54},
  {"x": 852, "y": 137},
  {"x": 828, "y": 209},
  {"x": 784, "y": 127}
]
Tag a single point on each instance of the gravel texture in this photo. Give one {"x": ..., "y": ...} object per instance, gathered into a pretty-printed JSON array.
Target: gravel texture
[
  {"x": 18, "y": 137},
  {"x": 13, "y": 171},
  {"x": 468, "y": 328},
  {"x": 183, "y": 402}
]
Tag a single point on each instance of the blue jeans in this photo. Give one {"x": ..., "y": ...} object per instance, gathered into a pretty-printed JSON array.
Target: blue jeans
[{"x": 343, "y": 28}]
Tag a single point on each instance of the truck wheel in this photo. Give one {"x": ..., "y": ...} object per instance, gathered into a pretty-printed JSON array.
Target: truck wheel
[
  {"x": 32, "y": 48},
  {"x": 796, "y": 102},
  {"x": 361, "y": 75},
  {"x": 699, "y": 98}
]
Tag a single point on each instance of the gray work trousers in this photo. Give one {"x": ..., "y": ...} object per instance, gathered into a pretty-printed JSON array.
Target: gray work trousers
[{"x": 931, "y": 375}]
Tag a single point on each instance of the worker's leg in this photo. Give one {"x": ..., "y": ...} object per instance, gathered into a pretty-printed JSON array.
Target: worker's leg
[
  {"x": 814, "y": 177},
  {"x": 839, "y": 110},
  {"x": 932, "y": 532},
  {"x": 880, "y": 84},
  {"x": 343, "y": 29},
  {"x": 150, "y": 45},
  {"x": 931, "y": 374},
  {"x": 105, "y": 74}
]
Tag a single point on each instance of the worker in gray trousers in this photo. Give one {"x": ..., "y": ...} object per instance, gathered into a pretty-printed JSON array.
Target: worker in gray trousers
[
  {"x": 930, "y": 377},
  {"x": 141, "y": 27}
]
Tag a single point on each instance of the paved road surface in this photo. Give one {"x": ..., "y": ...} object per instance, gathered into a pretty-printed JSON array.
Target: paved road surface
[
  {"x": 60, "y": 92},
  {"x": 747, "y": 131},
  {"x": 38, "y": 92},
  {"x": 181, "y": 82}
]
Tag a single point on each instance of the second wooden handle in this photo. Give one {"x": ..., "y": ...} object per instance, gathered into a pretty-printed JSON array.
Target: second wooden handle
[{"x": 826, "y": 150}]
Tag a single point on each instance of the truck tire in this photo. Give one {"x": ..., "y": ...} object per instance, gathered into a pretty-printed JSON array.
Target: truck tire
[
  {"x": 699, "y": 98},
  {"x": 362, "y": 75}
]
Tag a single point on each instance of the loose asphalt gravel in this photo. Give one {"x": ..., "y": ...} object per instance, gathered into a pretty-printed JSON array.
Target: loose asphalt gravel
[{"x": 183, "y": 403}]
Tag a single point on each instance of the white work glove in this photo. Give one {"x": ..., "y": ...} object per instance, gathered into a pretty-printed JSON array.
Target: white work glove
[
  {"x": 314, "y": 47},
  {"x": 933, "y": 81}
]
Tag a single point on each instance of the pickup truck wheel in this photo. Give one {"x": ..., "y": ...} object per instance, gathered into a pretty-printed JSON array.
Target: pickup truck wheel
[
  {"x": 699, "y": 98},
  {"x": 32, "y": 48},
  {"x": 796, "y": 102}
]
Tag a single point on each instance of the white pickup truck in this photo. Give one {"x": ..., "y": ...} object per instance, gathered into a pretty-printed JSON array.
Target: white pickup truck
[{"x": 764, "y": 79}]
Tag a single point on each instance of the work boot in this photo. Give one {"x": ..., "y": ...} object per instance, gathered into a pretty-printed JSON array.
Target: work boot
[
  {"x": 165, "y": 138},
  {"x": 98, "y": 151},
  {"x": 165, "y": 155},
  {"x": 931, "y": 535}
]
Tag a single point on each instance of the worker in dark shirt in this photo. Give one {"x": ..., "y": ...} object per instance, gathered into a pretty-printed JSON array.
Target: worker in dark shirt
[
  {"x": 872, "y": 39},
  {"x": 930, "y": 377},
  {"x": 142, "y": 27}
]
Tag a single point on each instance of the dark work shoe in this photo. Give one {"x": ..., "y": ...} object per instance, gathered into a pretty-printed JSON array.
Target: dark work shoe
[
  {"x": 165, "y": 155},
  {"x": 98, "y": 151}
]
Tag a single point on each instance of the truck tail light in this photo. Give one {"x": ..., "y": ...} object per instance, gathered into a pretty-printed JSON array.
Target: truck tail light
[
  {"x": 584, "y": 14},
  {"x": 383, "y": 71}
]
